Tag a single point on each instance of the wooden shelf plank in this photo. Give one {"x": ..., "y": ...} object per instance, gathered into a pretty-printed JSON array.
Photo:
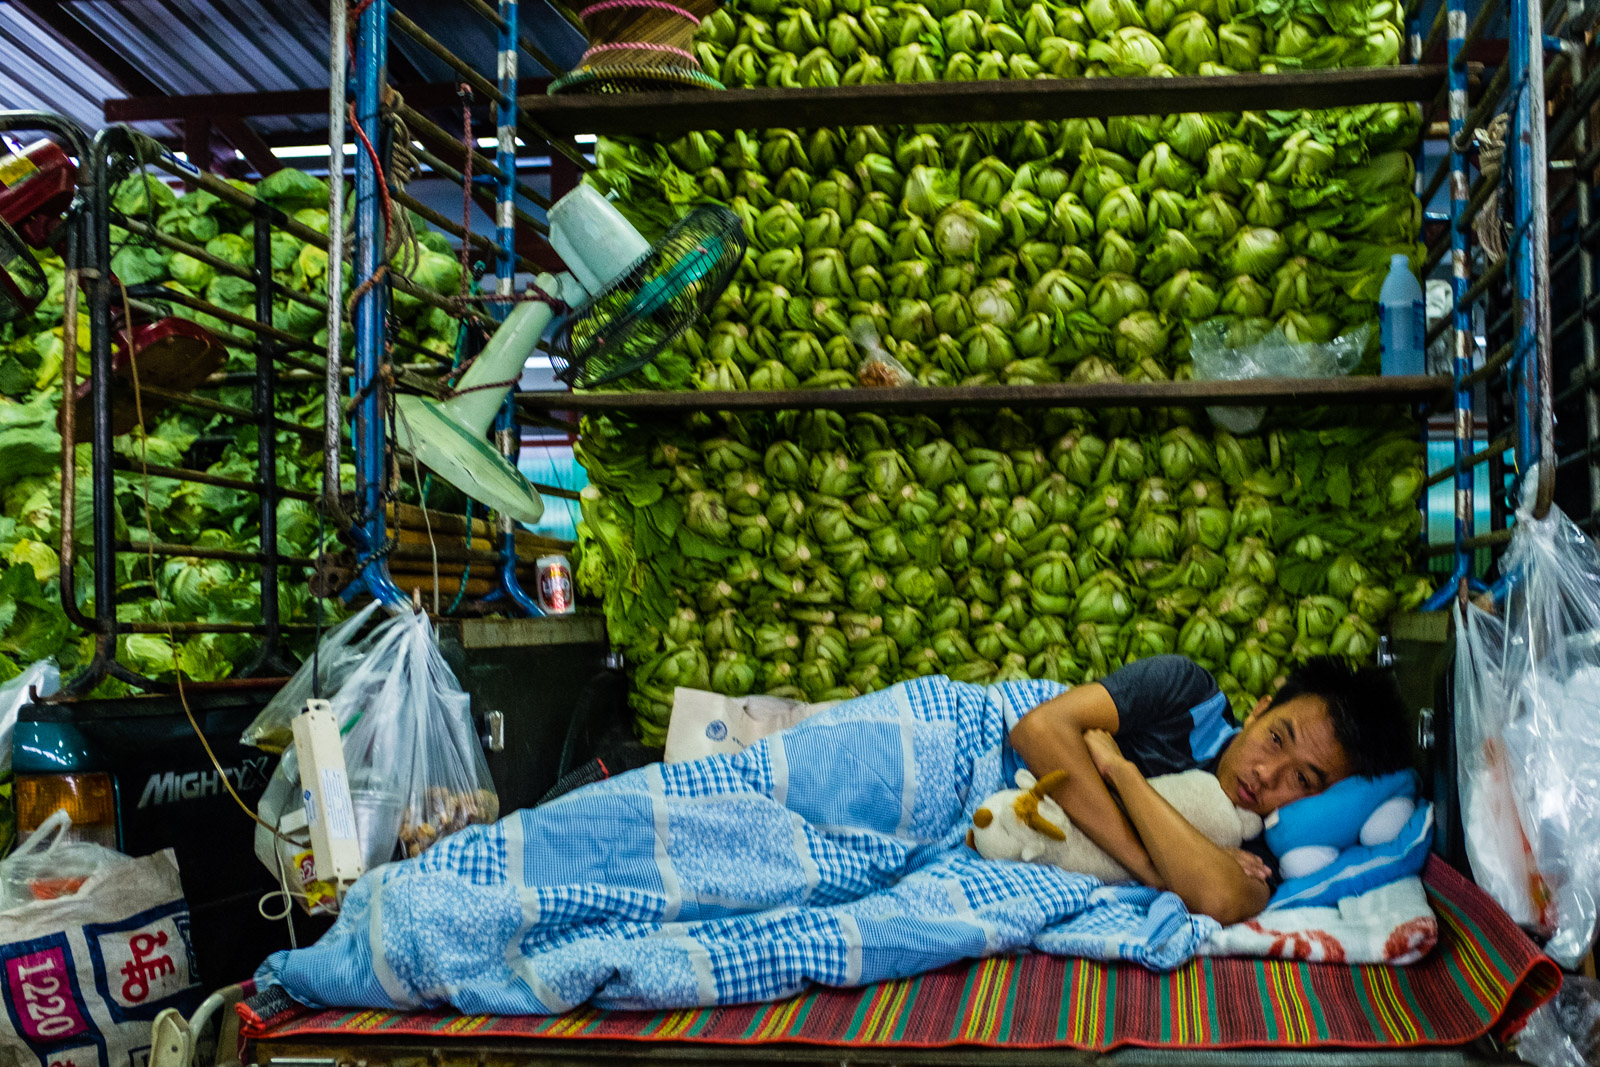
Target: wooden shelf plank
[
  {"x": 1299, "y": 392},
  {"x": 989, "y": 101}
]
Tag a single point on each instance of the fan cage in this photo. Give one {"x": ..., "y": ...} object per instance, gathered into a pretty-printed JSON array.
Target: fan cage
[{"x": 649, "y": 307}]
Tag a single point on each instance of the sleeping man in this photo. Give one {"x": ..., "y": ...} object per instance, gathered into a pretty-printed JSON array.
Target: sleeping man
[
  {"x": 834, "y": 852},
  {"x": 1165, "y": 714}
]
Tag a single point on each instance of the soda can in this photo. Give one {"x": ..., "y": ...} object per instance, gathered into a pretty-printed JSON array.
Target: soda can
[{"x": 555, "y": 585}]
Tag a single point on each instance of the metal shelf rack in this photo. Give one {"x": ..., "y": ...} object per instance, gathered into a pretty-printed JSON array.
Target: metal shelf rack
[
  {"x": 369, "y": 36},
  {"x": 1574, "y": 234},
  {"x": 1498, "y": 188},
  {"x": 674, "y": 113},
  {"x": 1516, "y": 292},
  {"x": 109, "y": 155}
]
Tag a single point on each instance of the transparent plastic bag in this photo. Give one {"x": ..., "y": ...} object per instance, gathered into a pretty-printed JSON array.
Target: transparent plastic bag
[
  {"x": 1498, "y": 849},
  {"x": 410, "y": 733},
  {"x": 1551, "y": 667},
  {"x": 340, "y": 651},
  {"x": 44, "y": 676},
  {"x": 1226, "y": 349},
  {"x": 412, "y": 755},
  {"x": 50, "y": 865},
  {"x": 878, "y": 369},
  {"x": 1565, "y": 1031}
]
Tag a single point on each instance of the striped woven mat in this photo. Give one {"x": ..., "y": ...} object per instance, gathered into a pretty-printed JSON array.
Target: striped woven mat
[{"x": 1484, "y": 977}]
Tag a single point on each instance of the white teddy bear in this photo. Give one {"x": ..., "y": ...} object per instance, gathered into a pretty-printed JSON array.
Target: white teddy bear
[{"x": 1026, "y": 824}]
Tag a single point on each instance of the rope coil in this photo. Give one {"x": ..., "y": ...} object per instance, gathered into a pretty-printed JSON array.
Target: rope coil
[
  {"x": 1490, "y": 225},
  {"x": 658, "y": 5},
  {"x": 646, "y": 46}
]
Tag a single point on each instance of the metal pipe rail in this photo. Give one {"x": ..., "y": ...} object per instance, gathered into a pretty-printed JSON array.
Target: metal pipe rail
[
  {"x": 1574, "y": 123},
  {"x": 481, "y": 84},
  {"x": 1496, "y": 447},
  {"x": 223, "y": 266},
  {"x": 1517, "y": 84},
  {"x": 444, "y": 169},
  {"x": 373, "y": 100},
  {"x": 183, "y": 474},
  {"x": 426, "y": 129},
  {"x": 533, "y": 50},
  {"x": 119, "y": 149}
]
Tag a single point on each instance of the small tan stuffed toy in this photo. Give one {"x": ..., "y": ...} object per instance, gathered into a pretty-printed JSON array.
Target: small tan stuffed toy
[{"x": 1026, "y": 824}]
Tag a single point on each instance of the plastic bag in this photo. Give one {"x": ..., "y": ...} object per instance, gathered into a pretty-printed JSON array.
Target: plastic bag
[
  {"x": 1565, "y": 1031},
  {"x": 1236, "y": 349},
  {"x": 1551, "y": 666},
  {"x": 1500, "y": 854},
  {"x": 408, "y": 731},
  {"x": 340, "y": 651},
  {"x": 879, "y": 369},
  {"x": 412, "y": 754},
  {"x": 50, "y": 865},
  {"x": 44, "y": 676},
  {"x": 88, "y": 972}
]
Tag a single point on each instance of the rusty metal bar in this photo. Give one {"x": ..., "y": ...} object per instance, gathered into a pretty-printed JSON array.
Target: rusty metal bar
[
  {"x": 1494, "y": 448},
  {"x": 230, "y": 555},
  {"x": 183, "y": 474}
]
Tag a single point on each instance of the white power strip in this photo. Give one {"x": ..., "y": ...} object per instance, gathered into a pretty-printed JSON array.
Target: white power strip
[{"x": 325, "y": 789}]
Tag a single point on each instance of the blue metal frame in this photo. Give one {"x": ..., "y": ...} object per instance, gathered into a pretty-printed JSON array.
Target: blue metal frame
[
  {"x": 1461, "y": 316},
  {"x": 1524, "y": 172},
  {"x": 369, "y": 434},
  {"x": 508, "y": 435}
]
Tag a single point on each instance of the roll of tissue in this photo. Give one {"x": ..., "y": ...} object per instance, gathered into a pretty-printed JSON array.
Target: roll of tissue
[{"x": 1438, "y": 299}]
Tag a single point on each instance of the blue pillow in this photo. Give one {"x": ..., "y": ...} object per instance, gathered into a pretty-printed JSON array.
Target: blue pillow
[{"x": 1361, "y": 868}]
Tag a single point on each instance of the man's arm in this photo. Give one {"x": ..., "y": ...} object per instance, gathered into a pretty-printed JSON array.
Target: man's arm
[
  {"x": 1051, "y": 738},
  {"x": 1208, "y": 879}
]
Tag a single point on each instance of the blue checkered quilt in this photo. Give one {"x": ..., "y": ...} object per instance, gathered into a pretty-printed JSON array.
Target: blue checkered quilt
[{"x": 830, "y": 853}]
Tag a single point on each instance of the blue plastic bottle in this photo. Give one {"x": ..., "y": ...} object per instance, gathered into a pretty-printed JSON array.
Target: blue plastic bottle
[{"x": 1402, "y": 318}]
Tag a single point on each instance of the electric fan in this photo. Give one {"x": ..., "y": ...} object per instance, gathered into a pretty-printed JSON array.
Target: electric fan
[
  {"x": 633, "y": 300},
  {"x": 36, "y": 186},
  {"x": 639, "y": 311}
]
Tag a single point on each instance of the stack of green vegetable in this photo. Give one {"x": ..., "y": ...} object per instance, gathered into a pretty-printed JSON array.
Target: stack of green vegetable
[
  {"x": 820, "y": 556},
  {"x": 1039, "y": 252},
  {"x": 1032, "y": 251},
  {"x": 816, "y": 556},
  {"x": 32, "y": 622}
]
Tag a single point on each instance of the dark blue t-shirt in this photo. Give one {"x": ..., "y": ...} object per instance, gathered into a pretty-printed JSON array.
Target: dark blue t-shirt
[{"x": 1171, "y": 717}]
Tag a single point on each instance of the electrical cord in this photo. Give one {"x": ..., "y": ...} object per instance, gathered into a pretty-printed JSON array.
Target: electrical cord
[{"x": 172, "y": 637}]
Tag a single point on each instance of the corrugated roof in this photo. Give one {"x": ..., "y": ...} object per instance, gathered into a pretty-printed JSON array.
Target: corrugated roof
[
  {"x": 208, "y": 46},
  {"x": 196, "y": 46},
  {"x": 47, "y": 76}
]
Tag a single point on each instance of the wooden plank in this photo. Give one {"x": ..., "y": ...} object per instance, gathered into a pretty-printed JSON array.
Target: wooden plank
[
  {"x": 453, "y": 527},
  {"x": 1299, "y": 392},
  {"x": 575, "y": 629},
  {"x": 989, "y": 101}
]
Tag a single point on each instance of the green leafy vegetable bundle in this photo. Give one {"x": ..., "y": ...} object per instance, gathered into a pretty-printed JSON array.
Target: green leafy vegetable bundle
[
  {"x": 818, "y": 556},
  {"x": 32, "y": 622}
]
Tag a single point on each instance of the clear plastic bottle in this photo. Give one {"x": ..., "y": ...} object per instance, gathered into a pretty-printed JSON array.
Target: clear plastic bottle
[{"x": 1402, "y": 318}]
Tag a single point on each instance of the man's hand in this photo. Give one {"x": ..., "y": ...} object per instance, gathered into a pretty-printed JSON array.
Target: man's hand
[
  {"x": 1252, "y": 865},
  {"x": 1051, "y": 738},
  {"x": 1108, "y": 758}
]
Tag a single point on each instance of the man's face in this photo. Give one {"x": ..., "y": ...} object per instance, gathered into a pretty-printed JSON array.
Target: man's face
[{"x": 1281, "y": 755}]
